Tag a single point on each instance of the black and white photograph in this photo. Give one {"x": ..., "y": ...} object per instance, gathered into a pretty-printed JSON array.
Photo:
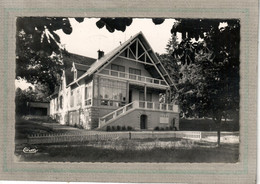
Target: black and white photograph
[{"x": 127, "y": 90}]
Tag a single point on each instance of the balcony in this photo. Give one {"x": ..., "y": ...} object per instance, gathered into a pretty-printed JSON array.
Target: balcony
[{"x": 134, "y": 77}]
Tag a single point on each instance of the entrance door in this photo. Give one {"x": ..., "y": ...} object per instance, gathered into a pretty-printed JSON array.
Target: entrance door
[
  {"x": 143, "y": 122},
  {"x": 130, "y": 96}
]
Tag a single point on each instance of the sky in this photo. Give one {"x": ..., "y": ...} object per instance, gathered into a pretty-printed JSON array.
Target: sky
[{"x": 86, "y": 38}]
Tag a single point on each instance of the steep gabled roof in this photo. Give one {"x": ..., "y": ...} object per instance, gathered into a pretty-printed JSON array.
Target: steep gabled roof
[
  {"x": 100, "y": 63},
  {"x": 81, "y": 67},
  {"x": 69, "y": 58},
  {"x": 80, "y": 62}
]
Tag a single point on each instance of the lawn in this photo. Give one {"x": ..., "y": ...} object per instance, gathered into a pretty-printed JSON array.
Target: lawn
[
  {"x": 25, "y": 127},
  {"x": 148, "y": 150},
  {"x": 124, "y": 150}
]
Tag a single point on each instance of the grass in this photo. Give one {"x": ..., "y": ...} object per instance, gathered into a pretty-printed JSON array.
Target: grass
[
  {"x": 170, "y": 150},
  {"x": 128, "y": 151},
  {"x": 24, "y": 127},
  {"x": 207, "y": 125},
  {"x": 223, "y": 154}
]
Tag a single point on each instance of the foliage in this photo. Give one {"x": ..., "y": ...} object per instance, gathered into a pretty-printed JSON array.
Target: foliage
[
  {"x": 22, "y": 97},
  {"x": 120, "y": 24},
  {"x": 209, "y": 67},
  {"x": 119, "y": 128},
  {"x": 156, "y": 128},
  {"x": 38, "y": 52},
  {"x": 129, "y": 128}
]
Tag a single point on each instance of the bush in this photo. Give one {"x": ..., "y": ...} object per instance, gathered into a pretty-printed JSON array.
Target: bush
[
  {"x": 129, "y": 128},
  {"x": 113, "y": 128},
  {"x": 118, "y": 128},
  {"x": 167, "y": 128},
  {"x": 171, "y": 128},
  {"x": 162, "y": 129},
  {"x": 108, "y": 129},
  {"x": 156, "y": 128},
  {"x": 78, "y": 126},
  {"x": 123, "y": 128}
]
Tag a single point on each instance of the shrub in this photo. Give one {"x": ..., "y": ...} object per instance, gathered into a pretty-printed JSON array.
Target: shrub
[
  {"x": 156, "y": 128},
  {"x": 167, "y": 128},
  {"x": 80, "y": 127},
  {"x": 113, "y": 128},
  {"x": 123, "y": 128},
  {"x": 118, "y": 128},
  {"x": 129, "y": 128},
  {"x": 108, "y": 129},
  {"x": 162, "y": 129},
  {"x": 171, "y": 128}
]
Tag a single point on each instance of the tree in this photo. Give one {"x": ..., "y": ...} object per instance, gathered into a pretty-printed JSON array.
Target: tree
[
  {"x": 209, "y": 73},
  {"x": 38, "y": 51}
]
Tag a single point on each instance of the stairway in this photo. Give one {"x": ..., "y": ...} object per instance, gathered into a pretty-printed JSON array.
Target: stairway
[
  {"x": 105, "y": 120},
  {"x": 142, "y": 105}
]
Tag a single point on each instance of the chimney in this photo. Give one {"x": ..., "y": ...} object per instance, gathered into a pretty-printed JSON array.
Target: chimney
[{"x": 100, "y": 54}]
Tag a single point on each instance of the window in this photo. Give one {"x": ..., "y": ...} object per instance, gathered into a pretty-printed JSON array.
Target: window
[
  {"x": 88, "y": 94},
  {"x": 135, "y": 71},
  {"x": 117, "y": 68},
  {"x": 61, "y": 102},
  {"x": 71, "y": 99},
  {"x": 79, "y": 98},
  {"x": 112, "y": 92},
  {"x": 57, "y": 104}
]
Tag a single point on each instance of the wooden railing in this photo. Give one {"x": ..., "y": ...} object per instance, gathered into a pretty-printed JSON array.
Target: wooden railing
[
  {"x": 94, "y": 136},
  {"x": 133, "y": 77},
  {"x": 115, "y": 113},
  {"x": 138, "y": 105},
  {"x": 158, "y": 106}
]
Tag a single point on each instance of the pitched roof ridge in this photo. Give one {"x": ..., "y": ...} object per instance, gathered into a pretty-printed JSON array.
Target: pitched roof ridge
[{"x": 80, "y": 55}]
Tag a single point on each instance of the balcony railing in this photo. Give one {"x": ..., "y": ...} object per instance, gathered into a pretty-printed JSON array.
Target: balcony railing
[
  {"x": 133, "y": 77},
  {"x": 138, "y": 105},
  {"x": 157, "y": 106}
]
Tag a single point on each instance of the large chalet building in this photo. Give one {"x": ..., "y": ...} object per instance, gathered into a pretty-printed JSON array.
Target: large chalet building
[{"x": 127, "y": 87}]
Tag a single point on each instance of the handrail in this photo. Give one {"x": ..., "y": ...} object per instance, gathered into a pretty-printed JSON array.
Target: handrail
[
  {"x": 114, "y": 113},
  {"x": 137, "y": 104},
  {"x": 161, "y": 106},
  {"x": 134, "y": 77}
]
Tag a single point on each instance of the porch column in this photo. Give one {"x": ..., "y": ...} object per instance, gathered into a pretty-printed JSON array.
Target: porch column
[{"x": 145, "y": 91}]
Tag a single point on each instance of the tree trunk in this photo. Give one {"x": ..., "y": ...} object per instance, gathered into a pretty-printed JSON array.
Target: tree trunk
[
  {"x": 218, "y": 123},
  {"x": 218, "y": 132}
]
